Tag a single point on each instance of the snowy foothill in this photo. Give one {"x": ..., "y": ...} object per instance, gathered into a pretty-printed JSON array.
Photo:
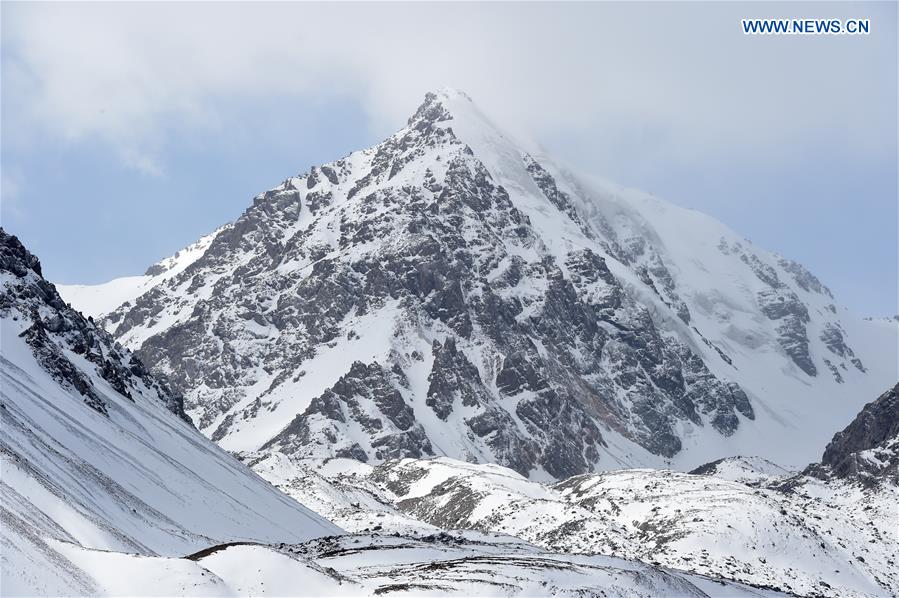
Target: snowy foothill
[{"x": 744, "y": 520}]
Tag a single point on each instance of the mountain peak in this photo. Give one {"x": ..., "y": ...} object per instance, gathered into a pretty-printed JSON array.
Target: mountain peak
[
  {"x": 452, "y": 94},
  {"x": 439, "y": 106},
  {"x": 15, "y": 258},
  {"x": 445, "y": 292}
]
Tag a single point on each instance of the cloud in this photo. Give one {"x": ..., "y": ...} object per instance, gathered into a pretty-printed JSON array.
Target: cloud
[
  {"x": 142, "y": 162},
  {"x": 659, "y": 82}
]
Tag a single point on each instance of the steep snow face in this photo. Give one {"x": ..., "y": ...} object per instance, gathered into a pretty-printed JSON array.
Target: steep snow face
[
  {"x": 100, "y": 299},
  {"x": 97, "y": 453},
  {"x": 800, "y": 535},
  {"x": 448, "y": 293}
]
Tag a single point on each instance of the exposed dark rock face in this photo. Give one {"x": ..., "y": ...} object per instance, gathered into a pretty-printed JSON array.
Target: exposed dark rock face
[
  {"x": 56, "y": 328},
  {"x": 834, "y": 371},
  {"x": 805, "y": 279},
  {"x": 52, "y": 359},
  {"x": 547, "y": 185},
  {"x": 832, "y": 337},
  {"x": 154, "y": 270},
  {"x": 453, "y": 378},
  {"x": 778, "y": 302},
  {"x": 365, "y": 389},
  {"x": 867, "y": 450},
  {"x": 792, "y": 315}
]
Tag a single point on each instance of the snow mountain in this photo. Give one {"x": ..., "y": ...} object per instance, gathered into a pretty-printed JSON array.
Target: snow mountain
[
  {"x": 107, "y": 489},
  {"x": 448, "y": 293},
  {"x": 98, "y": 456}
]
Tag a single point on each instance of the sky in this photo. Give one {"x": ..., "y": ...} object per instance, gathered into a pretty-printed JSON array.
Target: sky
[{"x": 129, "y": 130}]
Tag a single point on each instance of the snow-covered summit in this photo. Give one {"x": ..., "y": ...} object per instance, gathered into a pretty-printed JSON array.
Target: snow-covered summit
[{"x": 447, "y": 292}]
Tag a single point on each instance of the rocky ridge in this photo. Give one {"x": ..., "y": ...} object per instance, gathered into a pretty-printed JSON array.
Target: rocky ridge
[
  {"x": 101, "y": 466},
  {"x": 56, "y": 331}
]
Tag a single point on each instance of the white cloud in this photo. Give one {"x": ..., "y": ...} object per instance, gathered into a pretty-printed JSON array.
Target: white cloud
[
  {"x": 663, "y": 82},
  {"x": 143, "y": 162}
]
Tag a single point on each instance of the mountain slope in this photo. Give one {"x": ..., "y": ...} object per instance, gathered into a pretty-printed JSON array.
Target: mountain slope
[
  {"x": 799, "y": 535},
  {"x": 448, "y": 293},
  {"x": 96, "y": 452},
  {"x": 829, "y": 531}
]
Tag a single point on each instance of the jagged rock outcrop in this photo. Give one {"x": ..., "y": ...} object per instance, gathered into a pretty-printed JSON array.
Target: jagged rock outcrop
[
  {"x": 792, "y": 317},
  {"x": 368, "y": 397},
  {"x": 867, "y": 450},
  {"x": 55, "y": 329},
  {"x": 833, "y": 338}
]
